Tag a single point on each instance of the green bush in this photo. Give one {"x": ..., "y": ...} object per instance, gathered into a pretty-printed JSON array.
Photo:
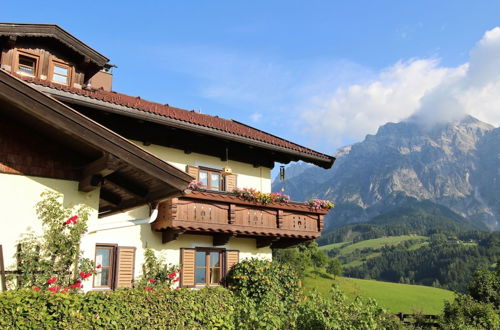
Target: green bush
[
  {"x": 172, "y": 309},
  {"x": 467, "y": 313},
  {"x": 318, "y": 312},
  {"x": 257, "y": 279}
]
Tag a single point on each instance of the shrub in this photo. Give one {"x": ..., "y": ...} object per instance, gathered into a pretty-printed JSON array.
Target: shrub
[
  {"x": 466, "y": 313},
  {"x": 156, "y": 273},
  {"x": 318, "y": 312},
  {"x": 257, "y": 279},
  {"x": 135, "y": 308}
]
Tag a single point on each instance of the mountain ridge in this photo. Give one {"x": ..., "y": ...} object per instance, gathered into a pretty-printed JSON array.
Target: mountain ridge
[{"x": 456, "y": 165}]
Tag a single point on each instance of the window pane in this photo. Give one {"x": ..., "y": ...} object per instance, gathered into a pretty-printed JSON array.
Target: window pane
[
  {"x": 204, "y": 178},
  {"x": 214, "y": 259},
  {"x": 215, "y": 181},
  {"x": 61, "y": 70},
  {"x": 102, "y": 277},
  {"x": 103, "y": 257},
  {"x": 60, "y": 79},
  {"x": 27, "y": 65},
  {"x": 200, "y": 259},
  {"x": 200, "y": 275},
  {"x": 214, "y": 275}
]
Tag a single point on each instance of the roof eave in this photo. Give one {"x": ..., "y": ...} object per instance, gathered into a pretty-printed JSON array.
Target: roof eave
[{"x": 323, "y": 161}]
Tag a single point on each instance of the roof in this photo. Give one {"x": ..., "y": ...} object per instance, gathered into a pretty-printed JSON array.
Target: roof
[
  {"x": 53, "y": 31},
  {"x": 192, "y": 120},
  {"x": 128, "y": 175}
]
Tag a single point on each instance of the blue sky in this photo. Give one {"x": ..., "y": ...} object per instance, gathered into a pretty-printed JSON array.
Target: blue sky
[{"x": 320, "y": 73}]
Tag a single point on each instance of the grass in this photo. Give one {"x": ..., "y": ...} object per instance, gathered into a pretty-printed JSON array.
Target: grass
[
  {"x": 375, "y": 243},
  {"x": 394, "y": 297}
]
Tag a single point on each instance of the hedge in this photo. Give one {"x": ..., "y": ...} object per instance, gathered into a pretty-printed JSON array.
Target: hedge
[{"x": 28, "y": 309}]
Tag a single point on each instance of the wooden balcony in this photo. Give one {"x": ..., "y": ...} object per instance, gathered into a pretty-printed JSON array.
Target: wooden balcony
[{"x": 224, "y": 215}]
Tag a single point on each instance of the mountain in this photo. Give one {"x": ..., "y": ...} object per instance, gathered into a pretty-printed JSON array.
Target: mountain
[{"x": 455, "y": 165}]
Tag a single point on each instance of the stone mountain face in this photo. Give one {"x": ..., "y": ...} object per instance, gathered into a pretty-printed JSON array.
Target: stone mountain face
[{"x": 456, "y": 165}]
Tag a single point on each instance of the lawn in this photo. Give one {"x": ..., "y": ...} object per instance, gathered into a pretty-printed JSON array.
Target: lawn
[
  {"x": 394, "y": 297},
  {"x": 371, "y": 243}
]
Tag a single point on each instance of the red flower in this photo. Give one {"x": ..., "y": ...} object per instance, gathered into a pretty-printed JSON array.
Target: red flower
[
  {"x": 36, "y": 289},
  {"x": 52, "y": 280},
  {"x": 71, "y": 220},
  {"x": 152, "y": 280},
  {"x": 172, "y": 275},
  {"x": 149, "y": 288},
  {"x": 180, "y": 270},
  {"x": 84, "y": 275},
  {"x": 177, "y": 279},
  {"x": 99, "y": 266},
  {"x": 65, "y": 289},
  {"x": 77, "y": 285},
  {"x": 54, "y": 288}
]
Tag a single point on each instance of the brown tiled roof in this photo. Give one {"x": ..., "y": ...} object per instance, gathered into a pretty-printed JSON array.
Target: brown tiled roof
[{"x": 192, "y": 117}]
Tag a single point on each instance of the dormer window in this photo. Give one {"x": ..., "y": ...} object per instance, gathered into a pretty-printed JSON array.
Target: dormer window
[
  {"x": 27, "y": 65},
  {"x": 60, "y": 73}
]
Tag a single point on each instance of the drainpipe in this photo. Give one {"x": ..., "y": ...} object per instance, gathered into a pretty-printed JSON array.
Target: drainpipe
[{"x": 114, "y": 224}]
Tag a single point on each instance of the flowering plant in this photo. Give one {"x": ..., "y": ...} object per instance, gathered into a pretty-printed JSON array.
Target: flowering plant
[
  {"x": 53, "y": 260},
  {"x": 195, "y": 185},
  {"x": 157, "y": 274},
  {"x": 320, "y": 204},
  {"x": 252, "y": 195}
]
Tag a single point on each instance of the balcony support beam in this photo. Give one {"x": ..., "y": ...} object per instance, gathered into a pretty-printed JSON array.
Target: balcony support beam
[
  {"x": 170, "y": 235},
  {"x": 264, "y": 241},
  {"x": 221, "y": 239}
]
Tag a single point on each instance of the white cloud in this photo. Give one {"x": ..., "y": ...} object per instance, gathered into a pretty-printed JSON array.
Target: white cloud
[
  {"x": 420, "y": 88},
  {"x": 255, "y": 117}
]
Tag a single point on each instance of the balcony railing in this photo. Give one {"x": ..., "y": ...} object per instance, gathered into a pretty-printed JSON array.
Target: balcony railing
[{"x": 224, "y": 215}]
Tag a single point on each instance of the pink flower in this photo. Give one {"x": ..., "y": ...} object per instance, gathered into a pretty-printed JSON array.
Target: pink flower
[
  {"x": 172, "y": 275},
  {"x": 71, "y": 220},
  {"x": 177, "y": 279},
  {"x": 149, "y": 288},
  {"x": 152, "y": 280},
  {"x": 99, "y": 266},
  {"x": 52, "y": 280}
]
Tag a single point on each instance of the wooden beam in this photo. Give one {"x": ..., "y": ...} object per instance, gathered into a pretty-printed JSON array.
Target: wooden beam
[
  {"x": 124, "y": 183},
  {"x": 170, "y": 235},
  {"x": 264, "y": 241},
  {"x": 99, "y": 168},
  {"x": 221, "y": 239},
  {"x": 110, "y": 197}
]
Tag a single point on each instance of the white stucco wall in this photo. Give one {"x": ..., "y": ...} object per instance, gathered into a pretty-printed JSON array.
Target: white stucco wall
[
  {"x": 247, "y": 176},
  {"x": 18, "y": 197},
  {"x": 142, "y": 237}
]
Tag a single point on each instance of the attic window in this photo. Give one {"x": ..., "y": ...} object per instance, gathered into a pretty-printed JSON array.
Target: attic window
[
  {"x": 27, "y": 65},
  {"x": 60, "y": 73}
]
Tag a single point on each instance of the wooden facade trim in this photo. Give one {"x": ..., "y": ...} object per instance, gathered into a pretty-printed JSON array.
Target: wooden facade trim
[
  {"x": 224, "y": 215},
  {"x": 72, "y": 128},
  {"x": 15, "y": 30}
]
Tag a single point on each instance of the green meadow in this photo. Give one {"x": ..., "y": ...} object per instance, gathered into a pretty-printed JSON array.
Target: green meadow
[
  {"x": 394, "y": 297},
  {"x": 371, "y": 243}
]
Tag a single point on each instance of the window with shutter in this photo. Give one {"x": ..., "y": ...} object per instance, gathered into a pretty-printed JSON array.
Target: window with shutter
[
  {"x": 125, "y": 265},
  {"x": 193, "y": 171},
  {"x": 232, "y": 258},
  {"x": 230, "y": 182},
  {"x": 188, "y": 265}
]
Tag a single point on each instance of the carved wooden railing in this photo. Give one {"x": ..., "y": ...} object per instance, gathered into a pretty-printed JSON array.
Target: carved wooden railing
[{"x": 226, "y": 215}]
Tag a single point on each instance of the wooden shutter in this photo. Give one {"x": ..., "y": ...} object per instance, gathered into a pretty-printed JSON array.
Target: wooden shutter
[
  {"x": 3, "y": 287},
  {"x": 230, "y": 182},
  {"x": 125, "y": 265},
  {"x": 232, "y": 258},
  {"x": 188, "y": 267},
  {"x": 193, "y": 171}
]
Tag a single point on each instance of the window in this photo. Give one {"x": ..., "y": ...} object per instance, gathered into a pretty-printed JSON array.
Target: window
[
  {"x": 104, "y": 256},
  {"x": 60, "y": 74},
  {"x": 208, "y": 265},
  {"x": 117, "y": 266},
  {"x": 210, "y": 179},
  {"x": 26, "y": 65}
]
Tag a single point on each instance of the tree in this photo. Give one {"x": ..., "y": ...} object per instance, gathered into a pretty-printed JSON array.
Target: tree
[{"x": 334, "y": 267}]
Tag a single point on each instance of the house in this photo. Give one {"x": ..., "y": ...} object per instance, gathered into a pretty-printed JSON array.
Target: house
[{"x": 63, "y": 128}]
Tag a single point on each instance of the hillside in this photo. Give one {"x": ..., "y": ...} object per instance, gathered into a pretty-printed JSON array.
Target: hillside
[
  {"x": 392, "y": 296},
  {"x": 453, "y": 165}
]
